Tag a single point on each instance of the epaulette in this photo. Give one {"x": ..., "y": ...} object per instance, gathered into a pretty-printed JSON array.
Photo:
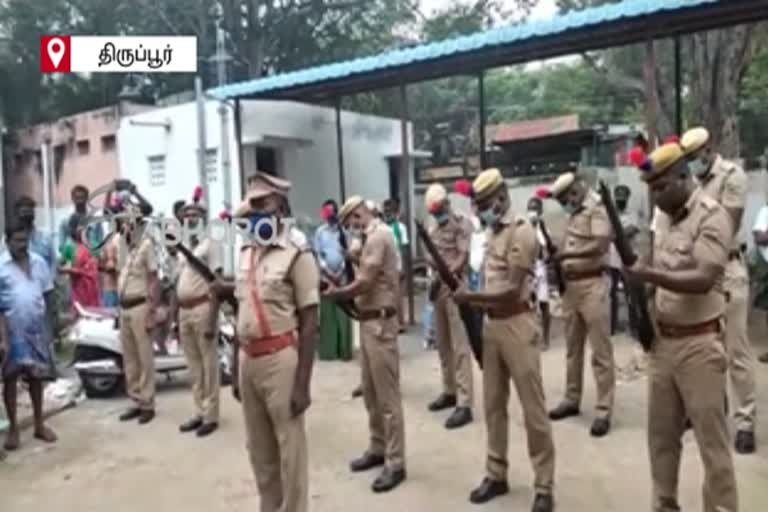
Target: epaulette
[
  {"x": 708, "y": 203},
  {"x": 299, "y": 239}
]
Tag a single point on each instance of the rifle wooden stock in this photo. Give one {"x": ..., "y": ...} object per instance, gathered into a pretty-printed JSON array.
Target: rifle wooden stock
[
  {"x": 638, "y": 298},
  {"x": 470, "y": 317},
  {"x": 205, "y": 272},
  {"x": 551, "y": 250}
]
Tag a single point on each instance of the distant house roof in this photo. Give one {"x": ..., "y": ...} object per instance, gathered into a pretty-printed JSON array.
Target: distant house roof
[
  {"x": 531, "y": 129},
  {"x": 608, "y": 25}
]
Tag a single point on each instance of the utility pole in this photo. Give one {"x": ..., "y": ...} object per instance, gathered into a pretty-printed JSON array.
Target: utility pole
[
  {"x": 221, "y": 58},
  {"x": 201, "y": 139}
]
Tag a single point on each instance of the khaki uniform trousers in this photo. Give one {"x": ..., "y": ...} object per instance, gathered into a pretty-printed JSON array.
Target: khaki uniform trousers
[
  {"x": 740, "y": 354},
  {"x": 203, "y": 359},
  {"x": 687, "y": 380},
  {"x": 511, "y": 351},
  {"x": 277, "y": 442},
  {"x": 138, "y": 356},
  {"x": 587, "y": 315},
  {"x": 454, "y": 351},
  {"x": 380, "y": 362}
]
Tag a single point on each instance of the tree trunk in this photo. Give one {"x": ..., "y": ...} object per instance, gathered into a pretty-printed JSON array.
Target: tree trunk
[{"x": 720, "y": 59}]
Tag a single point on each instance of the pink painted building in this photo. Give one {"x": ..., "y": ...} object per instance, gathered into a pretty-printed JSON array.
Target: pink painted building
[{"x": 83, "y": 151}]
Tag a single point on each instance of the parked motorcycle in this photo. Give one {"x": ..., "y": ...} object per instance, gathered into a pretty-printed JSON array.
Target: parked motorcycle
[{"x": 98, "y": 357}]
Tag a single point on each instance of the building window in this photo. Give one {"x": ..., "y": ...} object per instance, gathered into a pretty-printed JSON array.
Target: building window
[
  {"x": 83, "y": 147},
  {"x": 157, "y": 170},
  {"x": 108, "y": 143},
  {"x": 211, "y": 162}
]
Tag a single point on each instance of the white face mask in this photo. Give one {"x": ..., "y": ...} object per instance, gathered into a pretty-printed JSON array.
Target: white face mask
[
  {"x": 698, "y": 166},
  {"x": 533, "y": 215}
]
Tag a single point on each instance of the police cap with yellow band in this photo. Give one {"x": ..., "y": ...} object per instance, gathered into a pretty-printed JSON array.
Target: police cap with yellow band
[
  {"x": 349, "y": 206},
  {"x": 694, "y": 140},
  {"x": 487, "y": 183},
  {"x": 660, "y": 161}
]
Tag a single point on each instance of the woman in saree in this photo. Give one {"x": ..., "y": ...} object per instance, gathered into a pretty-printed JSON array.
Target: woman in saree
[{"x": 84, "y": 270}]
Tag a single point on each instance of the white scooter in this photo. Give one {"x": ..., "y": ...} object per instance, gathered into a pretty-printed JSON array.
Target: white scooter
[{"x": 98, "y": 356}]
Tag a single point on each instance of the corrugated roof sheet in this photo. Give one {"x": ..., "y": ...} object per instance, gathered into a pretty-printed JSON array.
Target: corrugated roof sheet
[
  {"x": 464, "y": 44},
  {"x": 532, "y": 128}
]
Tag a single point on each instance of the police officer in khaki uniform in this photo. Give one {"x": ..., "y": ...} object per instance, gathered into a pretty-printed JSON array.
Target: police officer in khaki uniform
[
  {"x": 726, "y": 183},
  {"x": 375, "y": 290},
  {"x": 511, "y": 340},
  {"x": 198, "y": 322},
  {"x": 451, "y": 233},
  {"x": 139, "y": 296},
  {"x": 586, "y": 305},
  {"x": 688, "y": 360},
  {"x": 277, "y": 291}
]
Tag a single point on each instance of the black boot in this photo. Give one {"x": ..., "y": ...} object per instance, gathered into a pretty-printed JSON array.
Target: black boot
[
  {"x": 564, "y": 410},
  {"x": 146, "y": 416},
  {"x": 388, "y": 480},
  {"x": 130, "y": 414},
  {"x": 745, "y": 442},
  {"x": 366, "y": 462},
  {"x": 442, "y": 402},
  {"x": 207, "y": 429},
  {"x": 600, "y": 427},
  {"x": 458, "y": 418},
  {"x": 487, "y": 490},
  {"x": 543, "y": 503},
  {"x": 191, "y": 425}
]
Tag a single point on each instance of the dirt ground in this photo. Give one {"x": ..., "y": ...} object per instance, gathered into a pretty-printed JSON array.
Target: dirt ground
[{"x": 102, "y": 465}]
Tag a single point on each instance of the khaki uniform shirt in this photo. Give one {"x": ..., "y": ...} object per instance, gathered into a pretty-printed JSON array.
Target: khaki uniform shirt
[
  {"x": 191, "y": 285},
  {"x": 378, "y": 261},
  {"x": 727, "y": 183},
  {"x": 452, "y": 238},
  {"x": 701, "y": 235},
  {"x": 134, "y": 275},
  {"x": 514, "y": 246},
  {"x": 589, "y": 222},
  {"x": 273, "y": 283}
]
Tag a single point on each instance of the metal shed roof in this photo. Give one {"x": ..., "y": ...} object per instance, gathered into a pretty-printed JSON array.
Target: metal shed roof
[{"x": 599, "y": 27}]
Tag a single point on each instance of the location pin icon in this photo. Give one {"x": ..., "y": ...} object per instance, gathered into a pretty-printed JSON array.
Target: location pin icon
[{"x": 55, "y": 51}]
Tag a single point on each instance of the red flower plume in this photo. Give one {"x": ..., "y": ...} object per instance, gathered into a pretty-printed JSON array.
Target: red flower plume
[
  {"x": 542, "y": 192},
  {"x": 224, "y": 215},
  {"x": 197, "y": 195},
  {"x": 672, "y": 139},
  {"x": 463, "y": 187},
  {"x": 637, "y": 156},
  {"x": 326, "y": 212}
]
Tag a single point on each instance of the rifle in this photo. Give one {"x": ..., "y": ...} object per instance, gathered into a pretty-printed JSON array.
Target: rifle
[
  {"x": 347, "y": 306},
  {"x": 551, "y": 250},
  {"x": 205, "y": 272},
  {"x": 470, "y": 317},
  {"x": 638, "y": 299}
]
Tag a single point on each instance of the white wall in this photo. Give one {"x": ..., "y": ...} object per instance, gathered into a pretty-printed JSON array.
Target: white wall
[
  {"x": 137, "y": 143},
  {"x": 307, "y": 135},
  {"x": 304, "y": 134}
]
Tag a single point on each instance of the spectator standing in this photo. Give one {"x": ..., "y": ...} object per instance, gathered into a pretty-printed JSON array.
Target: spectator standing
[
  {"x": 93, "y": 233},
  {"x": 84, "y": 270}
]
